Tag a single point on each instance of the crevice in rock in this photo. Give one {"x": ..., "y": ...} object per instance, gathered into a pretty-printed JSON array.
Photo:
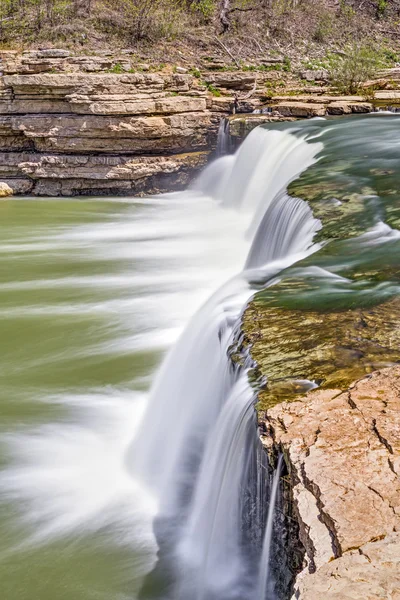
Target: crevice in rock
[
  {"x": 384, "y": 500},
  {"x": 380, "y": 437},
  {"x": 360, "y": 551},
  {"x": 324, "y": 516}
]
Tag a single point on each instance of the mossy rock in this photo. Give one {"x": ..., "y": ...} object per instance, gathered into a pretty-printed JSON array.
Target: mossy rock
[{"x": 331, "y": 348}]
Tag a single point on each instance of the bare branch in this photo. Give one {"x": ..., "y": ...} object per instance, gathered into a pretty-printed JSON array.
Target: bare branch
[{"x": 227, "y": 51}]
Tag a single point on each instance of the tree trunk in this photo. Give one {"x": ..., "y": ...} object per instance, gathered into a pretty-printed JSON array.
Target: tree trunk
[{"x": 224, "y": 15}]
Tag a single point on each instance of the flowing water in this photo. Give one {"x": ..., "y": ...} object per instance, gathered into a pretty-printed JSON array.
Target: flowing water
[{"x": 124, "y": 480}]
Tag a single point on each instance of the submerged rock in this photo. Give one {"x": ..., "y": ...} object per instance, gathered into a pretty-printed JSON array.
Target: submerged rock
[
  {"x": 342, "y": 451},
  {"x": 333, "y": 349}
]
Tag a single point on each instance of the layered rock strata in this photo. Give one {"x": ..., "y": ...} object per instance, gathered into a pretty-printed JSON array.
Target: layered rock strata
[
  {"x": 74, "y": 124},
  {"x": 108, "y": 125},
  {"x": 342, "y": 451},
  {"x": 74, "y": 133}
]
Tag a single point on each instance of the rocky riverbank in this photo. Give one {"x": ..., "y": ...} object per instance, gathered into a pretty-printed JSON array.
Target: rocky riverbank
[
  {"x": 72, "y": 125},
  {"x": 79, "y": 125},
  {"x": 342, "y": 452}
]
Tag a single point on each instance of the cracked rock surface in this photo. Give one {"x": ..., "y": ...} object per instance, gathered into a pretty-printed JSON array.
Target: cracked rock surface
[{"x": 342, "y": 449}]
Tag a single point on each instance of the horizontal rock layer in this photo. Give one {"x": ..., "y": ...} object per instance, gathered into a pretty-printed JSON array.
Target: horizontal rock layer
[
  {"x": 342, "y": 450},
  {"x": 70, "y": 175},
  {"x": 76, "y": 131},
  {"x": 52, "y": 102}
]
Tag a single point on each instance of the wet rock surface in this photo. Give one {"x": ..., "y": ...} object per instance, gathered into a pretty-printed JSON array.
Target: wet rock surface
[
  {"x": 333, "y": 348},
  {"x": 342, "y": 451}
]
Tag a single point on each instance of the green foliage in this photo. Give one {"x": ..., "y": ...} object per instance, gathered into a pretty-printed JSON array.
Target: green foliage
[
  {"x": 381, "y": 7},
  {"x": 389, "y": 56},
  {"x": 117, "y": 68},
  {"x": 213, "y": 90},
  {"x": 286, "y": 66},
  {"x": 195, "y": 72},
  {"x": 347, "y": 10},
  {"x": 205, "y": 8},
  {"x": 354, "y": 67}
]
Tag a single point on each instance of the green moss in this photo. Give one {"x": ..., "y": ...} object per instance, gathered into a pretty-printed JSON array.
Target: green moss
[{"x": 331, "y": 348}]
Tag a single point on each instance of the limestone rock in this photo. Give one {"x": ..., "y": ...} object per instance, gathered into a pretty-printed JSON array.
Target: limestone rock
[
  {"x": 314, "y": 75},
  {"x": 335, "y": 348},
  {"x": 239, "y": 80},
  {"x": 300, "y": 109},
  {"x": 342, "y": 450},
  {"x": 369, "y": 573},
  {"x": 136, "y": 135},
  {"x": 5, "y": 190},
  {"x": 242, "y": 125},
  {"x": 69, "y": 175}
]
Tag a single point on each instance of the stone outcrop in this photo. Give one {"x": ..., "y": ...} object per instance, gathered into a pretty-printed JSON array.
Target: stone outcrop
[
  {"x": 84, "y": 133},
  {"x": 295, "y": 345},
  {"x": 83, "y": 125},
  {"x": 69, "y": 175},
  {"x": 314, "y": 105},
  {"x": 56, "y": 107},
  {"x": 368, "y": 573},
  {"x": 342, "y": 451}
]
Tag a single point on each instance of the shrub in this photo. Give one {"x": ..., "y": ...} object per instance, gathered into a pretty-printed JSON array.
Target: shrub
[
  {"x": 204, "y": 8},
  {"x": 354, "y": 67}
]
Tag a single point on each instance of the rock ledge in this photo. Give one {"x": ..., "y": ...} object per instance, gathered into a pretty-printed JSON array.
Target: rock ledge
[{"x": 342, "y": 451}]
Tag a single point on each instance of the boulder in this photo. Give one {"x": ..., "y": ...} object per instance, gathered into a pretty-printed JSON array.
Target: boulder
[
  {"x": 314, "y": 75},
  {"x": 238, "y": 80},
  {"x": 5, "y": 190}
]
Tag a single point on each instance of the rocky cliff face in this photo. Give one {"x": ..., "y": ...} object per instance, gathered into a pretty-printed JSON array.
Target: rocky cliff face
[
  {"x": 342, "y": 451},
  {"x": 70, "y": 126},
  {"x": 105, "y": 124},
  {"x": 68, "y": 133}
]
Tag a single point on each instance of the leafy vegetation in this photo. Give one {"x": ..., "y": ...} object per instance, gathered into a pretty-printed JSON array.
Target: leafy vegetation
[
  {"x": 248, "y": 28},
  {"x": 356, "y": 65}
]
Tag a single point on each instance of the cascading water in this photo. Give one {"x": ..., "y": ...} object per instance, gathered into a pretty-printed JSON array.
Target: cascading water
[
  {"x": 198, "y": 442},
  {"x": 94, "y": 292},
  {"x": 263, "y": 578},
  {"x": 224, "y": 145}
]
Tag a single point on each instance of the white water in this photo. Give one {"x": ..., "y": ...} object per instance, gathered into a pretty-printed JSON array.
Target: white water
[
  {"x": 263, "y": 578},
  {"x": 193, "y": 447},
  {"x": 224, "y": 138}
]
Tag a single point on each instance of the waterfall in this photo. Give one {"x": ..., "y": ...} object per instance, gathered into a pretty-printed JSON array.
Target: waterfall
[
  {"x": 224, "y": 144},
  {"x": 198, "y": 441},
  {"x": 266, "y": 551}
]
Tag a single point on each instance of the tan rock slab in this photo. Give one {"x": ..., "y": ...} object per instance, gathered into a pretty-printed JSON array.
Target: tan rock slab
[
  {"x": 107, "y": 134},
  {"x": 344, "y": 449},
  {"x": 299, "y": 109},
  {"x": 239, "y": 80},
  {"x": 369, "y": 573},
  {"x": 54, "y": 174}
]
